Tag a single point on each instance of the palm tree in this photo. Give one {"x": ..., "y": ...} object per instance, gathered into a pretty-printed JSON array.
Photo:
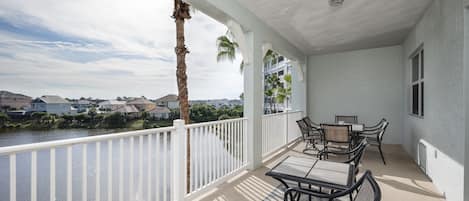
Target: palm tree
[
  {"x": 284, "y": 92},
  {"x": 270, "y": 55},
  {"x": 273, "y": 84},
  {"x": 180, "y": 14},
  {"x": 227, "y": 51}
]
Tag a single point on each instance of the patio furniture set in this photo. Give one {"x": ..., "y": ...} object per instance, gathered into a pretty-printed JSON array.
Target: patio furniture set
[{"x": 321, "y": 179}]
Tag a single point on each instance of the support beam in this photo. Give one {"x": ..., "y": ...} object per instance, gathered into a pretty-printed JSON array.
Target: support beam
[{"x": 253, "y": 99}]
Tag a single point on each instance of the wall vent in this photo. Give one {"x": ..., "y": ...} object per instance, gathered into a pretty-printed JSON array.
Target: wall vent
[{"x": 422, "y": 158}]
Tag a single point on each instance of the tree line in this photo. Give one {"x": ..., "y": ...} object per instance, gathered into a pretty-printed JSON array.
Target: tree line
[{"x": 94, "y": 120}]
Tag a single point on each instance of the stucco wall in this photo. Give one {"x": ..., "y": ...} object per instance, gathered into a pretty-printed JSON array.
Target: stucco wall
[
  {"x": 367, "y": 83},
  {"x": 442, "y": 129}
]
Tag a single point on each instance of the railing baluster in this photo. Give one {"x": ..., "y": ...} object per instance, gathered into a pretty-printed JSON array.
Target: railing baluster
[
  {"x": 12, "y": 177},
  {"x": 140, "y": 171},
  {"x": 236, "y": 154},
  {"x": 84, "y": 174},
  {"x": 209, "y": 154},
  {"x": 149, "y": 169},
  {"x": 52, "y": 175},
  {"x": 231, "y": 146},
  {"x": 157, "y": 166},
  {"x": 192, "y": 159},
  {"x": 98, "y": 172},
  {"x": 228, "y": 148},
  {"x": 121, "y": 169},
  {"x": 220, "y": 151},
  {"x": 199, "y": 153},
  {"x": 69, "y": 173},
  {"x": 33, "y": 175},
  {"x": 216, "y": 140},
  {"x": 245, "y": 141},
  {"x": 213, "y": 151},
  {"x": 165, "y": 168},
  {"x": 109, "y": 170},
  {"x": 206, "y": 154},
  {"x": 131, "y": 170}
]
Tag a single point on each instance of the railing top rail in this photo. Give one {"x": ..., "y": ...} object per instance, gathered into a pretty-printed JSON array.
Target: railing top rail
[
  {"x": 82, "y": 140},
  {"x": 214, "y": 122},
  {"x": 281, "y": 113}
]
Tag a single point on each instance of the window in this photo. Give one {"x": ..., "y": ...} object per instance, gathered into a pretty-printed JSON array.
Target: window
[
  {"x": 280, "y": 59},
  {"x": 417, "y": 83}
]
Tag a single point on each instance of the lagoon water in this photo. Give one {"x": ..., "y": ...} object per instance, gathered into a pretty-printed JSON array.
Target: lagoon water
[{"x": 160, "y": 165}]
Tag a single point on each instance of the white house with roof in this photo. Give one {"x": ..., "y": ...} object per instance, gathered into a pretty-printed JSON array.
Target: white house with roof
[
  {"x": 170, "y": 101},
  {"x": 111, "y": 105},
  {"x": 53, "y": 105},
  {"x": 160, "y": 112}
]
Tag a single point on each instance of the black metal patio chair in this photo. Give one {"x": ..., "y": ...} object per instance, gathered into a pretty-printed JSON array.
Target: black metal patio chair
[
  {"x": 375, "y": 137},
  {"x": 310, "y": 135},
  {"x": 366, "y": 188},
  {"x": 336, "y": 137},
  {"x": 374, "y": 127},
  {"x": 355, "y": 155}
]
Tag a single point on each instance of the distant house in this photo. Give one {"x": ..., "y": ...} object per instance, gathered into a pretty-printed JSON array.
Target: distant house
[
  {"x": 127, "y": 109},
  {"x": 160, "y": 112},
  {"x": 170, "y": 101},
  {"x": 12, "y": 101},
  {"x": 81, "y": 105},
  {"x": 111, "y": 105},
  {"x": 52, "y": 105},
  {"x": 217, "y": 103},
  {"x": 142, "y": 104}
]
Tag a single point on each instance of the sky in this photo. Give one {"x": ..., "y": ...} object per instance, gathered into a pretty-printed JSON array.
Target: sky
[{"x": 108, "y": 48}]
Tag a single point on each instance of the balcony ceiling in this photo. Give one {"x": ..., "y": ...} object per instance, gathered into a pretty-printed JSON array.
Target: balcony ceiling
[{"x": 317, "y": 28}]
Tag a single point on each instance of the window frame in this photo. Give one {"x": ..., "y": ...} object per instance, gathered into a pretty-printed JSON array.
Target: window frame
[{"x": 419, "y": 82}]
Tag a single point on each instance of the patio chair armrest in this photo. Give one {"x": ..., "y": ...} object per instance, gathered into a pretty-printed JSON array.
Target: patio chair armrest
[
  {"x": 370, "y": 132},
  {"x": 323, "y": 152}
]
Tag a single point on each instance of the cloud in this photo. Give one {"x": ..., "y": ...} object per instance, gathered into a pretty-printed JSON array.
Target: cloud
[{"x": 108, "y": 48}]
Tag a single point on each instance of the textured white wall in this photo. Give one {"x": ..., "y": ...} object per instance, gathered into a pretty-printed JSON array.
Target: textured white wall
[
  {"x": 442, "y": 129},
  {"x": 367, "y": 83},
  {"x": 466, "y": 76}
]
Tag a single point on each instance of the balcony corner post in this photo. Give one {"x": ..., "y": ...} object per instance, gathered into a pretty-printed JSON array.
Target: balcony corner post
[{"x": 178, "y": 143}]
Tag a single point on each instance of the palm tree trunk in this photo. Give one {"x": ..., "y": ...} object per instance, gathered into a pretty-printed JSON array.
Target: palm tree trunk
[{"x": 180, "y": 14}]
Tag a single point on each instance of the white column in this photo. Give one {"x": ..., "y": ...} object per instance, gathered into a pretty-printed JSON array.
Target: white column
[
  {"x": 299, "y": 95},
  {"x": 178, "y": 146},
  {"x": 253, "y": 99}
]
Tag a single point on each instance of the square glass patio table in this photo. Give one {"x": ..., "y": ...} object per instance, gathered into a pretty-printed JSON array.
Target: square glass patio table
[{"x": 313, "y": 172}]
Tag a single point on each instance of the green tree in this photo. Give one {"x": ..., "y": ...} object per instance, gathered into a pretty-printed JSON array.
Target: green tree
[
  {"x": 3, "y": 119},
  {"x": 224, "y": 117},
  {"x": 227, "y": 48},
  {"x": 92, "y": 112},
  {"x": 115, "y": 120},
  {"x": 284, "y": 92},
  {"x": 203, "y": 113},
  {"x": 272, "y": 84}
]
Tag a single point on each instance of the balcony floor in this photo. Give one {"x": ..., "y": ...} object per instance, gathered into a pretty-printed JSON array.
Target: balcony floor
[{"x": 400, "y": 179}]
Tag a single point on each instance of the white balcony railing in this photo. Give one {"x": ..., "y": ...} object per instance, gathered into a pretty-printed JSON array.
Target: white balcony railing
[
  {"x": 279, "y": 130},
  {"x": 123, "y": 166},
  {"x": 138, "y": 165},
  {"x": 218, "y": 149}
]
